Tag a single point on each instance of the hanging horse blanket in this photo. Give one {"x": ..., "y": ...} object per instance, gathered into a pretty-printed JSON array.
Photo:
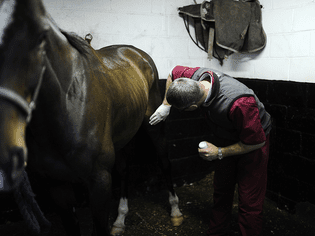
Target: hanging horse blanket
[{"x": 223, "y": 27}]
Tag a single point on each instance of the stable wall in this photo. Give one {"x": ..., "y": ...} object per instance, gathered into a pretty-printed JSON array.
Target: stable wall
[{"x": 155, "y": 27}]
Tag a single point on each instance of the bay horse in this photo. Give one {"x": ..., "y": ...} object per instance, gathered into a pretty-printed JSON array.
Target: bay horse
[{"x": 67, "y": 109}]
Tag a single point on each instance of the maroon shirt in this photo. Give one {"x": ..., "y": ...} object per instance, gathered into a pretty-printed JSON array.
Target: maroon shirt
[{"x": 244, "y": 113}]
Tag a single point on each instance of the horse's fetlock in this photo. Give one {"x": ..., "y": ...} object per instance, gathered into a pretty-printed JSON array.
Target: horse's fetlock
[
  {"x": 123, "y": 210},
  {"x": 173, "y": 200}
]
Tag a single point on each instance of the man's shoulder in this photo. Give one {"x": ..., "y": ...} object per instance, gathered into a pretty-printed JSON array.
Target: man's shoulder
[{"x": 183, "y": 71}]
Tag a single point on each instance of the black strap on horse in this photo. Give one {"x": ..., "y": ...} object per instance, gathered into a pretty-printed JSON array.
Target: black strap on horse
[
  {"x": 21, "y": 102},
  {"x": 35, "y": 220},
  {"x": 223, "y": 27}
]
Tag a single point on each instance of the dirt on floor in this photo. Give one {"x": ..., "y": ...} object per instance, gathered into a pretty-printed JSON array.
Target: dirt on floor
[{"x": 149, "y": 215}]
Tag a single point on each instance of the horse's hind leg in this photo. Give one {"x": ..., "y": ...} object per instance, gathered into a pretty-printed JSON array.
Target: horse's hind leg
[
  {"x": 119, "y": 225},
  {"x": 158, "y": 138},
  {"x": 157, "y": 135},
  {"x": 122, "y": 158}
]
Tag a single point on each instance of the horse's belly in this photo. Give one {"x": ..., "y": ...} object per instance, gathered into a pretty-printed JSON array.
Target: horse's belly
[
  {"x": 53, "y": 161},
  {"x": 52, "y": 168},
  {"x": 126, "y": 127},
  {"x": 128, "y": 120}
]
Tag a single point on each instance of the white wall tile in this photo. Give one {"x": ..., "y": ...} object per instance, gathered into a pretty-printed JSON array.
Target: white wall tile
[
  {"x": 87, "y": 4},
  {"x": 177, "y": 27},
  {"x": 99, "y": 41},
  {"x": 239, "y": 68},
  {"x": 312, "y": 50},
  {"x": 148, "y": 25},
  {"x": 172, "y": 6},
  {"x": 109, "y": 23},
  {"x": 158, "y": 7},
  {"x": 290, "y": 3},
  {"x": 49, "y": 4},
  {"x": 277, "y": 21},
  {"x": 195, "y": 52},
  {"x": 304, "y": 18},
  {"x": 184, "y": 62},
  {"x": 277, "y": 69},
  {"x": 166, "y": 47},
  {"x": 69, "y": 20},
  {"x": 290, "y": 45},
  {"x": 302, "y": 70},
  {"x": 124, "y": 6},
  {"x": 267, "y": 5},
  {"x": 163, "y": 66}
]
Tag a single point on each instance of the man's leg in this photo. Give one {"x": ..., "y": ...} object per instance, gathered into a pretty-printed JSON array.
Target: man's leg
[
  {"x": 252, "y": 184},
  {"x": 224, "y": 186}
]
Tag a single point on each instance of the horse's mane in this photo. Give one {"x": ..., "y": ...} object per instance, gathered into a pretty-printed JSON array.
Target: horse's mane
[{"x": 77, "y": 42}]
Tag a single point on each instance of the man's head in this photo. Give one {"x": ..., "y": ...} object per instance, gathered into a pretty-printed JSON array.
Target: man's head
[{"x": 185, "y": 94}]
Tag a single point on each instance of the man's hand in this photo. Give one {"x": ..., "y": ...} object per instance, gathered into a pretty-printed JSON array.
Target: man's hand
[
  {"x": 160, "y": 114},
  {"x": 210, "y": 153}
]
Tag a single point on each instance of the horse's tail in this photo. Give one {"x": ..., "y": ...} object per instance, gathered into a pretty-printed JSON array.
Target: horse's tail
[{"x": 88, "y": 38}]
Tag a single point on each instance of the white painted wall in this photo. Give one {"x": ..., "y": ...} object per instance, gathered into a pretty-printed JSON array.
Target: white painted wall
[{"x": 155, "y": 27}]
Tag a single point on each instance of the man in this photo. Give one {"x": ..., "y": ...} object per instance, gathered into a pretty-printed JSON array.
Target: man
[{"x": 241, "y": 126}]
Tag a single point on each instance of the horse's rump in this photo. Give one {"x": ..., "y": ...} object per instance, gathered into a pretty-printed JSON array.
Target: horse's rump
[{"x": 130, "y": 77}]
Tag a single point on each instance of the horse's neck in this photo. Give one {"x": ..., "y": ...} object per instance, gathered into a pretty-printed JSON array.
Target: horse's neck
[
  {"x": 62, "y": 63},
  {"x": 55, "y": 109}
]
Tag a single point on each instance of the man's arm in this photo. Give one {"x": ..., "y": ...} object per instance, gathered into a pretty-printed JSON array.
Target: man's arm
[
  {"x": 168, "y": 84},
  {"x": 211, "y": 152},
  {"x": 239, "y": 149},
  {"x": 162, "y": 111}
]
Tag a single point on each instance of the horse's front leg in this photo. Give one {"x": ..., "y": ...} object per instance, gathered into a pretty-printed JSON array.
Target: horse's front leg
[
  {"x": 64, "y": 198},
  {"x": 176, "y": 215},
  {"x": 158, "y": 137},
  {"x": 100, "y": 198}
]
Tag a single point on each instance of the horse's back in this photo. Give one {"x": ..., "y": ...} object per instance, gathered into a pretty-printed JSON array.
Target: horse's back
[{"x": 115, "y": 55}]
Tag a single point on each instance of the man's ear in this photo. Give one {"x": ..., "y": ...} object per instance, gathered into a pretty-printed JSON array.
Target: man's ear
[{"x": 192, "y": 107}]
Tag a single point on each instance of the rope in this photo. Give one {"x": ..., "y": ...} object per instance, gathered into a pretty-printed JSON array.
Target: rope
[{"x": 35, "y": 219}]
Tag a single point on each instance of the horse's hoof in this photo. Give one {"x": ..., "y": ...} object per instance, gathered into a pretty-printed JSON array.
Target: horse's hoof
[
  {"x": 177, "y": 220},
  {"x": 116, "y": 231}
]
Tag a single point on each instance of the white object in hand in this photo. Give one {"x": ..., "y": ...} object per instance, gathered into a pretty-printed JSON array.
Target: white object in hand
[
  {"x": 203, "y": 145},
  {"x": 160, "y": 114}
]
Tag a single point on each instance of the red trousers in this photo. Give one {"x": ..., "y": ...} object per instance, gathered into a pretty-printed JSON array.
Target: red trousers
[{"x": 249, "y": 171}]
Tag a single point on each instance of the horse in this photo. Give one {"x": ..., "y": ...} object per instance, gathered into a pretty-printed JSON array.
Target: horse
[{"x": 68, "y": 109}]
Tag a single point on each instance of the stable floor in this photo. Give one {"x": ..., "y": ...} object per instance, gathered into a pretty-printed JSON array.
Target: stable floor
[{"x": 149, "y": 216}]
